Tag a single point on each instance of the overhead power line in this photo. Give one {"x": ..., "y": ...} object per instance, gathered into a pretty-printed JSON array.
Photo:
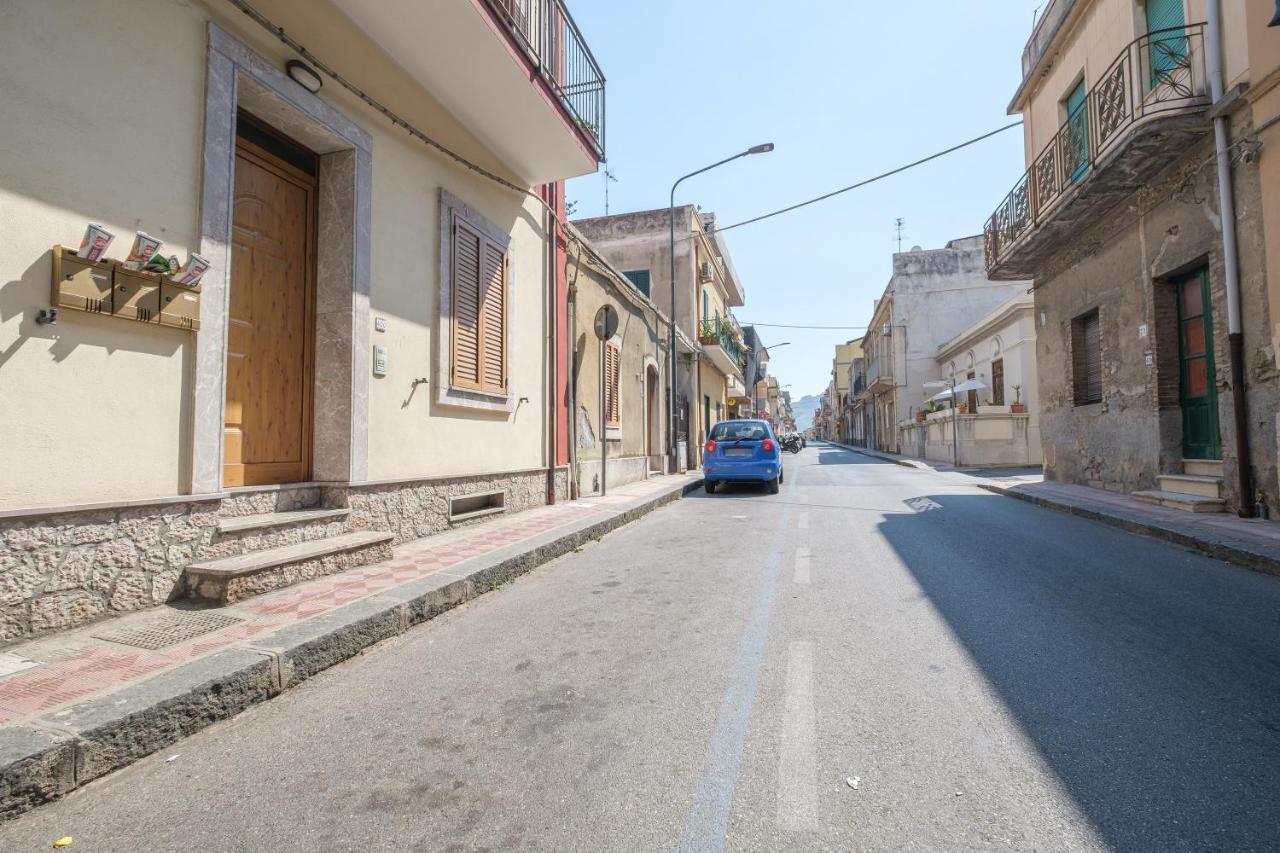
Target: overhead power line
[
  {"x": 782, "y": 326},
  {"x": 880, "y": 177}
]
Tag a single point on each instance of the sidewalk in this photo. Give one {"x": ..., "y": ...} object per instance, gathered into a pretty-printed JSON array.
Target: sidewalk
[
  {"x": 1248, "y": 542},
  {"x": 79, "y": 704}
]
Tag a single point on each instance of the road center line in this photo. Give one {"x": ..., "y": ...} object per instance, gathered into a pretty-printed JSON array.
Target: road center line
[
  {"x": 708, "y": 818},
  {"x": 798, "y": 750},
  {"x": 803, "y": 522},
  {"x": 802, "y": 566}
]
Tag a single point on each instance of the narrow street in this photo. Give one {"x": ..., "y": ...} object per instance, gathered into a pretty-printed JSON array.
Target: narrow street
[{"x": 878, "y": 658}]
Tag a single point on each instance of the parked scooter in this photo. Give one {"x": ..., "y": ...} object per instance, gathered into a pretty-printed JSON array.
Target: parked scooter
[{"x": 792, "y": 443}]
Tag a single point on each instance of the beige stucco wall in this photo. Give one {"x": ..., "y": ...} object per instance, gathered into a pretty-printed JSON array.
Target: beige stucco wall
[
  {"x": 96, "y": 129},
  {"x": 1094, "y": 37}
]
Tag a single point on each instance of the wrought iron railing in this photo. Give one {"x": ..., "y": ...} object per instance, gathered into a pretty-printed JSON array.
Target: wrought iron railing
[
  {"x": 1160, "y": 72},
  {"x": 552, "y": 39},
  {"x": 716, "y": 331}
]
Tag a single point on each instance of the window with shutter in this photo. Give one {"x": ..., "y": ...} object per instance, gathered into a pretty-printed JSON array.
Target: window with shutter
[
  {"x": 1086, "y": 359},
  {"x": 612, "y": 384},
  {"x": 478, "y": 347},
  {"x": 997, "y": 382}
]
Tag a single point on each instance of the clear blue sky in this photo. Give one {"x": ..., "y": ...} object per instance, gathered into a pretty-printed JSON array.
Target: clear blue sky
[{"x": 845, "y": 90}]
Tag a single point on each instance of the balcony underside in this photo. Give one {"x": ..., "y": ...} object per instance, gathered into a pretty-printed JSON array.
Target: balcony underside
[
  {"x": 457, "y": 54},
  {"x": 723, "y": 361},
  {"x": 1148, "y": 148}
]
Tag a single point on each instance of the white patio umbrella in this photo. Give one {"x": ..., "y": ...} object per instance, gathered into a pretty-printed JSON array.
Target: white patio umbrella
[
  {"x": 961, "y": 388},
  {"x": 950, "y": 389}
]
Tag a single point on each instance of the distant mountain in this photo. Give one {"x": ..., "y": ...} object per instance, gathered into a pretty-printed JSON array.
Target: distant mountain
[{"x": 804, "y": 409}]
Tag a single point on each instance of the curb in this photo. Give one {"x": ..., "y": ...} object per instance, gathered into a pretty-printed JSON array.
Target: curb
[
  {"x": 1259, "y": 561},
  {"x": 44, "y": 759}
]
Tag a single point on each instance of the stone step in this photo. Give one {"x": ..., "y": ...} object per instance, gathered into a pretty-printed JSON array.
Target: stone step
[
  {"x": 1178, "y": 500},
  {"x": 1202, "y": 467},
  {"x": 231, "y": 579},
  {"x": 1192, "y": 484},
  {"x": 271, "y": 520}
]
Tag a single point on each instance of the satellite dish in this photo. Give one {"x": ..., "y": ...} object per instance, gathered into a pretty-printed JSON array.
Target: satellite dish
[{"x": 606, "y": 322}]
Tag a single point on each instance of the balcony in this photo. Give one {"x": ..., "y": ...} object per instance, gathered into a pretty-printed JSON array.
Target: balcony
[
  {"x": 878, "y": 381},
  {"x": 1148, "y": 107},
  {"x": 516, "y": 73},
  {"x": 720, "y": 346}
]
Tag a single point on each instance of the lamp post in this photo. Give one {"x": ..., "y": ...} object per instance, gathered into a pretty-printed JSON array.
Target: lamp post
[
  {"x": 671, "y": 351},
  {"x": 955, "y": 418}
]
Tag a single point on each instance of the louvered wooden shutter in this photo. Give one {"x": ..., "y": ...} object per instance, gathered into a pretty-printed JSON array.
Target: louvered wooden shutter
[
  {"x": 1086, "y": 359},
  {"x": 494, "y": 319},
  {"x": 612, "y": 375},
  {"x": 465, "y": 367},
  {"x": 997, "y": 382}
]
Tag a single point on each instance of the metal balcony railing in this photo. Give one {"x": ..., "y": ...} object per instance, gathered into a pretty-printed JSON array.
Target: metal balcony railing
[
  {"x": 1163, "y": 71},
  {"x": 717, "y": 332},
  {"x": 551, "y": 38}
]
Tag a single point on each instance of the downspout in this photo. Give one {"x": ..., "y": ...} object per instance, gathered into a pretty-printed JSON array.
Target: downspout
[
  {"x": 1235, "y": 332},
  {"x": 549, "y": 229},
  {"x": 573, "y": 384}
]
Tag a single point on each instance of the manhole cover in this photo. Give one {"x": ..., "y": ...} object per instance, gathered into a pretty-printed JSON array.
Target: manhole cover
[{"x": 169, "y": 630}]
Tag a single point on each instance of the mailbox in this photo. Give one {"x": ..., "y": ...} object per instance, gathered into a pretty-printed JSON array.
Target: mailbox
[
  {"x": 137, "y": 295},
  {"x": 80, "y": 284},
  {"x": 179, "y": 305}
]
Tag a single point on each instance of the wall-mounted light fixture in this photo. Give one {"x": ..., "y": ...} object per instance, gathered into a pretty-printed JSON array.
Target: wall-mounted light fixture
[{"x": 304, "y": 75}]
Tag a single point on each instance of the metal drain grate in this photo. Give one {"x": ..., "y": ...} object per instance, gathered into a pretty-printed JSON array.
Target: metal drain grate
[{"x": 169, "y": 630}]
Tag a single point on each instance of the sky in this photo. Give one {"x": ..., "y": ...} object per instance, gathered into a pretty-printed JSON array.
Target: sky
[{"x": 845, "y": 89}]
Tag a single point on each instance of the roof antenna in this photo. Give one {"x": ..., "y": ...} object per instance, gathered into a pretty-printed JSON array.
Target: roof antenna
[
  {"x": 897, "y": 226},
  {"x": 608, "y": 176}
]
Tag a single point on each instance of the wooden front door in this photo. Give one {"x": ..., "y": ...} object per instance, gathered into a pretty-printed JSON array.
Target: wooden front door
[
  {"x": 1198, "y": 395},
  {"x": 267, "y": 436},
  {"x": 651, "y": 412}
]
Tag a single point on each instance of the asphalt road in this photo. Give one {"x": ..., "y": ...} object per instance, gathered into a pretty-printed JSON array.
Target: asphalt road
[{"x": 718, "y": 676}]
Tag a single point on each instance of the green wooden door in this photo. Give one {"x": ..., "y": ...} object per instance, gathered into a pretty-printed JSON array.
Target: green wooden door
[
  {"x": 1168, "y": 48},
  {"x": 1075, "y": 154},
  {"x": 1198, "y": 395}
]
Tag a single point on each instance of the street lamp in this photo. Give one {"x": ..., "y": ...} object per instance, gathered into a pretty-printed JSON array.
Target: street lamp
[{"x": 671, "y": 351}]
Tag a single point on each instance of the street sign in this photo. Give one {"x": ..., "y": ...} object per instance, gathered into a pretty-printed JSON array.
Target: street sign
[{"x": 606, "y": 322}]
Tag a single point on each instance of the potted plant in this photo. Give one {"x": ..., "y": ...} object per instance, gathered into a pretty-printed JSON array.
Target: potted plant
[
  {"x": 1018, "y": 406},
  {"x": 964, "y": 408},
  {"x": 920, "y": 416}
]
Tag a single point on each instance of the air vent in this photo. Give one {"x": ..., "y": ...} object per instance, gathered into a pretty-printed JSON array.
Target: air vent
[{"x": 479, "y": 505}]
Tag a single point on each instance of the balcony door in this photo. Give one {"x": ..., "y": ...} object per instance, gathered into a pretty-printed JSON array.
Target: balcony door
[
  {"x": 1075, "y": 139},
  {"x": 1168, "y": 46}
]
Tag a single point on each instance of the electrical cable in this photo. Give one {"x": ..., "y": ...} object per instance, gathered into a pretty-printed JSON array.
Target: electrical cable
[{"x": 872, "y": 180}]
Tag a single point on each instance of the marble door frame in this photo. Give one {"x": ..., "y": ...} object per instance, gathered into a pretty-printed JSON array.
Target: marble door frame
[{"x": 239, "y": 78}]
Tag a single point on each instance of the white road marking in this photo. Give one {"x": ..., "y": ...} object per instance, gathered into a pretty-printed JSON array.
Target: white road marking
[
  {"x": 798, "y": 752},
  {"x": 802, "y": 566},
  {"x": 803, "y": 523}
]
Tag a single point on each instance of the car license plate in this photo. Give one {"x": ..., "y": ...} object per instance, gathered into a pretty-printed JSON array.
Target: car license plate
[{"x": 738, "y": 451}]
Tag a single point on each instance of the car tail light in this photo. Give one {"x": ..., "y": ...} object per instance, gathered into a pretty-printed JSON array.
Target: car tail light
[
  {"x": 711, "y": 445},
  {"x": 767, "y": 445}
]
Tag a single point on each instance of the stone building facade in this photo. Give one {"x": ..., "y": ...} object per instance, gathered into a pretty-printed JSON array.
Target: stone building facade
[{"x": 1127, "y": 254}]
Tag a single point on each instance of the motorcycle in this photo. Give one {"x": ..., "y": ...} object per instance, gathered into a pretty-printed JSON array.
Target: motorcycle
[{"x": 792, "y": 443}]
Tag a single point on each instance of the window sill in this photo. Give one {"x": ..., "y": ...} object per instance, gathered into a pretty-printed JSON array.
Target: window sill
[
  {"x": 469, "y": 398},
  {"x": 613, "y": 433}
]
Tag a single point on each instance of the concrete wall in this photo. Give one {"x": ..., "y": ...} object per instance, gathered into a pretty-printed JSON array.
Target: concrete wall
[
  {"x": 1119, "y": 266},
  {"x": 937, "y": 294},
  {"x": 99, "y": 408}
]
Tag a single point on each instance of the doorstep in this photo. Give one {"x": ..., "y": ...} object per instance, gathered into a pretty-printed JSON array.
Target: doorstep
[{"x": 81, "y": 703}]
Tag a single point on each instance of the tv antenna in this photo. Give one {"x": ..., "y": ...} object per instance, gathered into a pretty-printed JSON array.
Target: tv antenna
[
  {"x": 608, "y": 177},
  {"x": 897, "y": 227}
]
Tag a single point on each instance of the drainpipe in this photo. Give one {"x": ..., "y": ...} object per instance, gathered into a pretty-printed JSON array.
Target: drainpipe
[
  {"x": 549, "y": 229},
  {"x": 1235, "y": 332},
  {"x": 573, "y": 384}
]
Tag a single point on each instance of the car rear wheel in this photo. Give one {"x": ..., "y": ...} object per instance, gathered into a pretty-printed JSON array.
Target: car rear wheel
[
  {"x": 773, "y": 484},
  {"x": 710, "y": 486}
]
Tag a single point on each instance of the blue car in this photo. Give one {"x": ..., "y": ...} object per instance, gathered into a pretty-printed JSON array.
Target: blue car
[{"x": 742, "y": 451}]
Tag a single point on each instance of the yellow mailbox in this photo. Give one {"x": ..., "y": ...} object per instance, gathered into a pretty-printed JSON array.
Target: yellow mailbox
[
  {"x": 179, "y": 305},
  {"x": 137, "y": 295},
  {"x": 80, "y": 284}
]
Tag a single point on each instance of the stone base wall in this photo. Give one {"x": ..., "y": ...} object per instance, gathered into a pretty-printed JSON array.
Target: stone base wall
[
  {"x": 57, "y": 571},
  {"x": 417, "y": 508},
  {"x": 64, "y": 569}
]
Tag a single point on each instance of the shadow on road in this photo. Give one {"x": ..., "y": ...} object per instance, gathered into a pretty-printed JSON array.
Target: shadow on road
[{"x": 1148, "y": 678}]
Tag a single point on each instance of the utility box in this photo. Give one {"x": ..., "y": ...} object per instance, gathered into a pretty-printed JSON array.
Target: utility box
[
  {"x": 137, "y": 295},
  {"x": 79, "y": 284},
  {"x": 179, "y": 305}
]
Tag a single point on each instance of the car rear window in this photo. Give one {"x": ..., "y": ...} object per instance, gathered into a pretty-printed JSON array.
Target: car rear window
[{"x": 729, "y": 431}]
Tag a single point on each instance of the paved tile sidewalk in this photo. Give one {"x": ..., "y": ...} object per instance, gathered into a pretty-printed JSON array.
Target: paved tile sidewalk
[{"x": 41, "y": 675}]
